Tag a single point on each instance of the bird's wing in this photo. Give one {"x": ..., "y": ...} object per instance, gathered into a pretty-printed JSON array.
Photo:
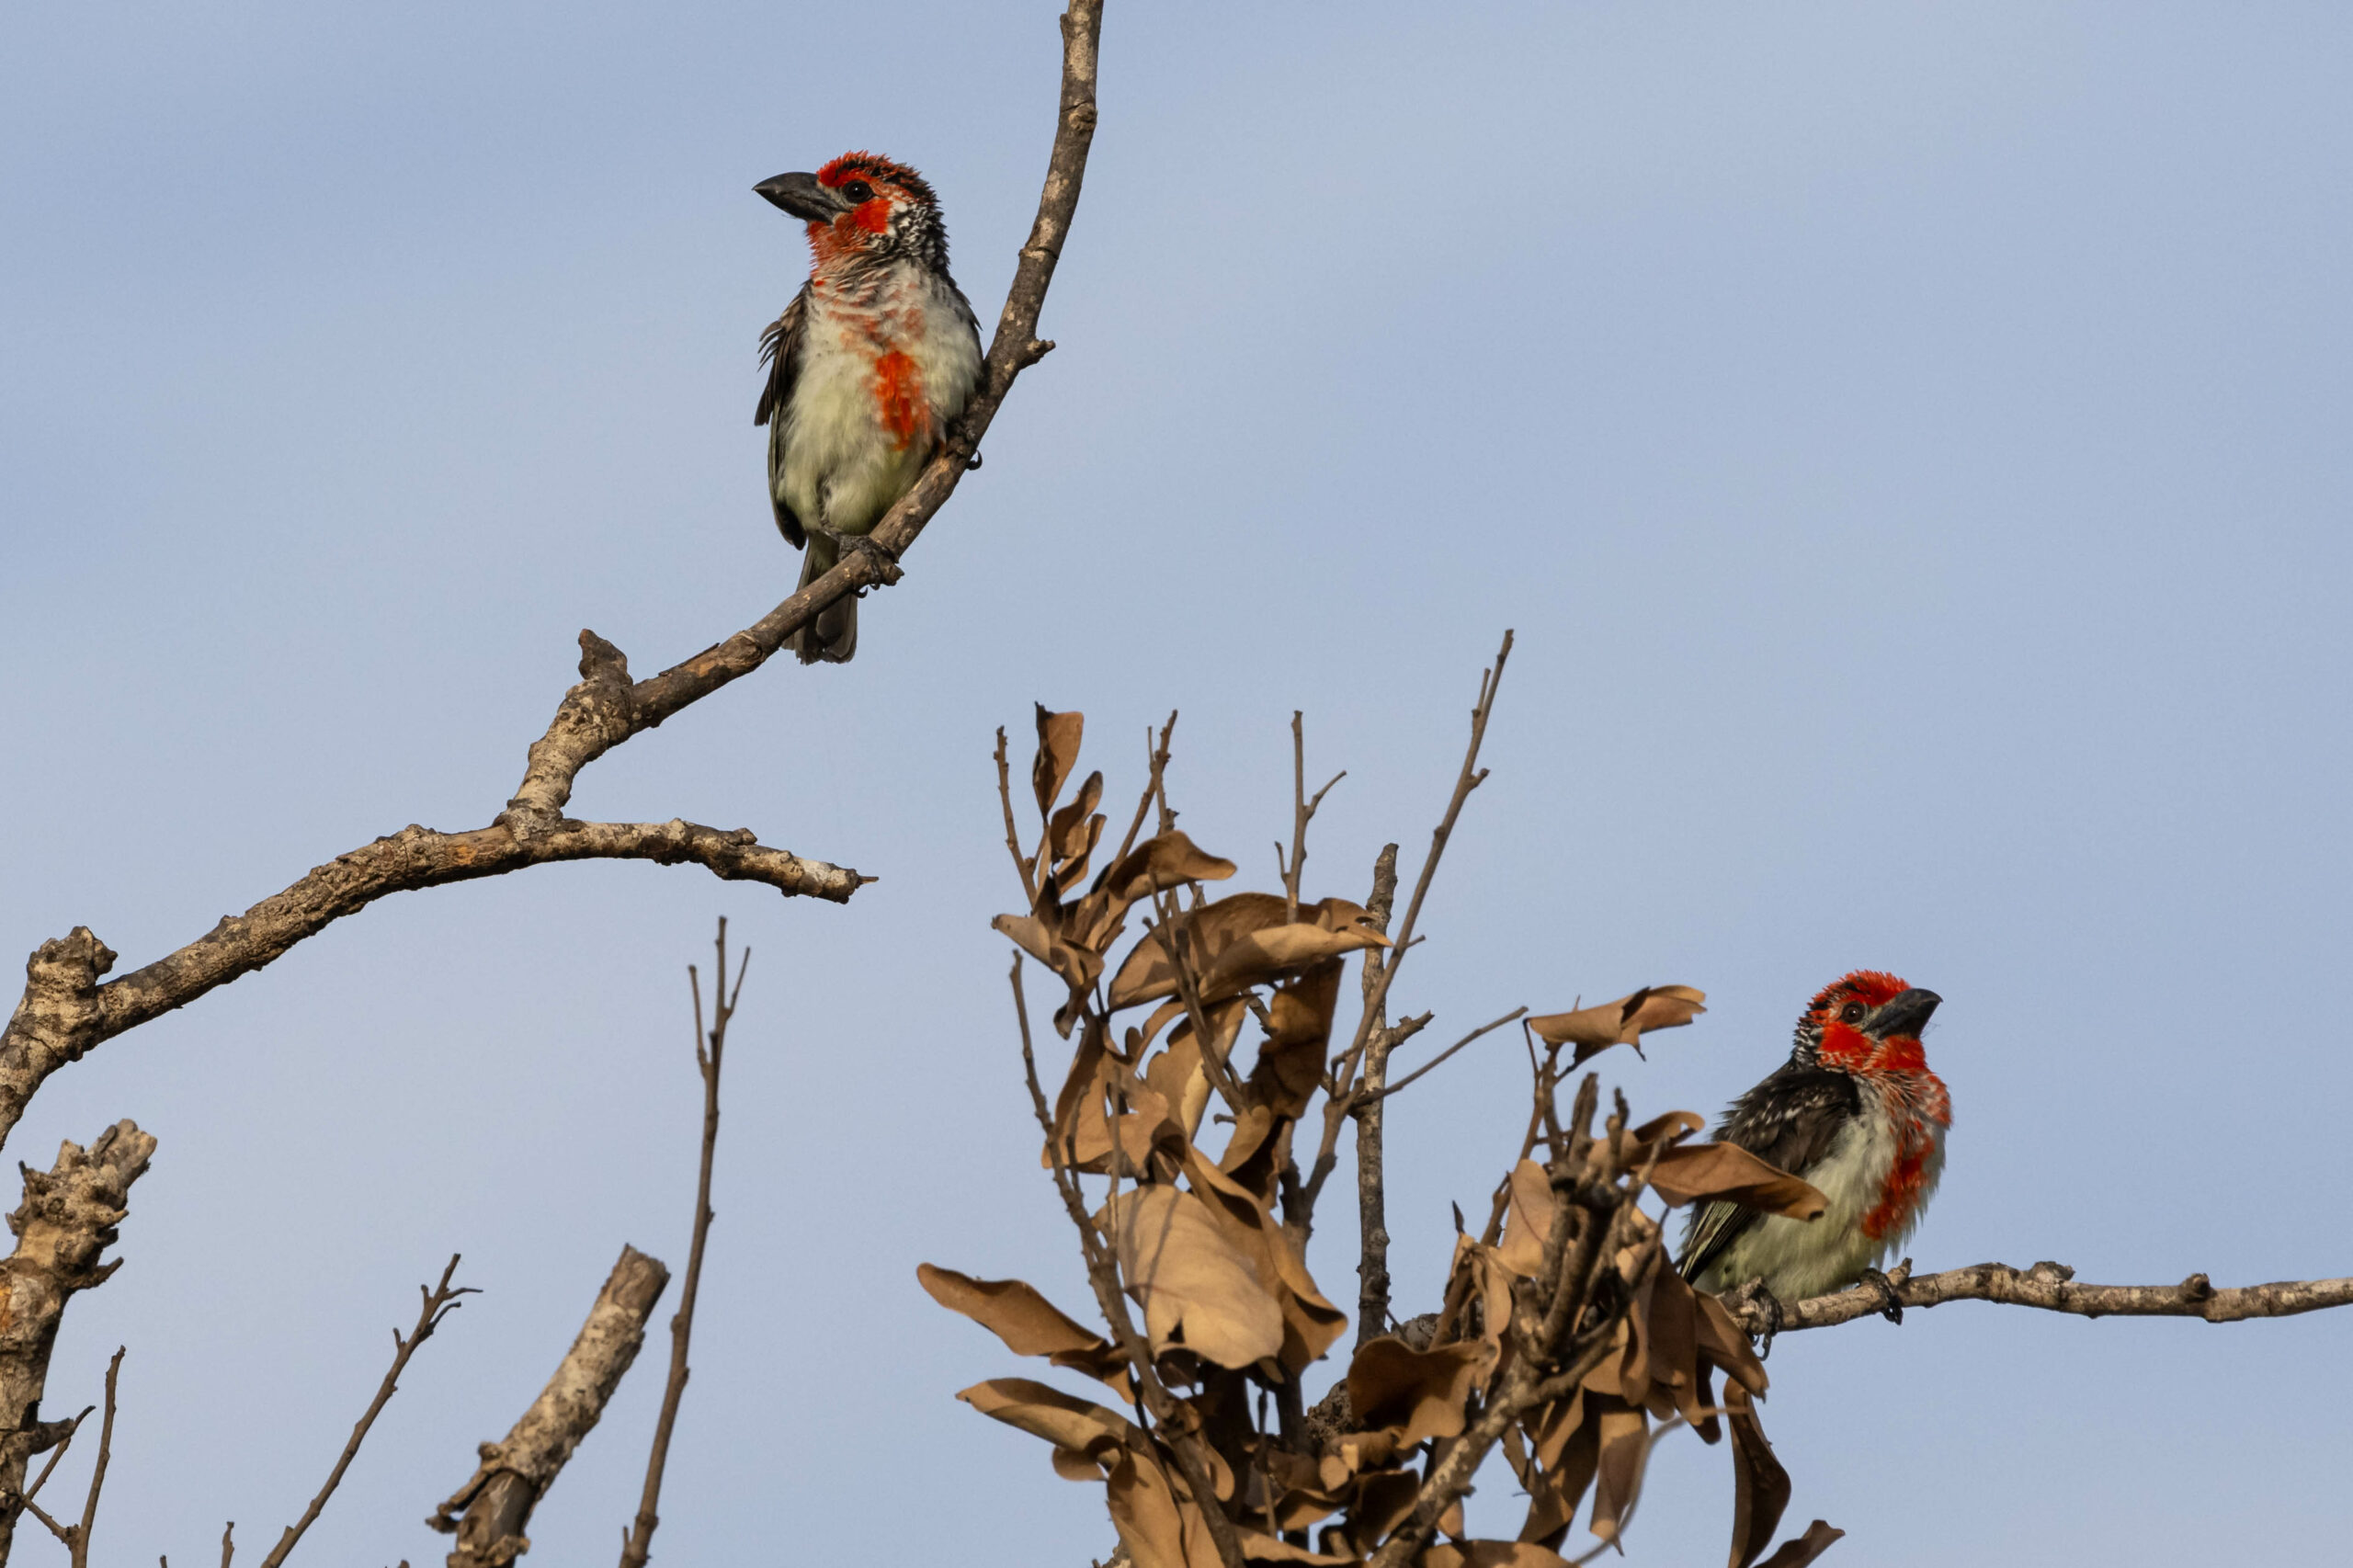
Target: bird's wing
[
  {"x": 781, "y": 351},
  {"x": 1791, "y": 1119}
]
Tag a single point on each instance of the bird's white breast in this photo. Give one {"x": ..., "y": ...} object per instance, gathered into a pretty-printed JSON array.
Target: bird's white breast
[
  {"x": 1799, "y": 1259},
  {"x": 880, "y": 377}
]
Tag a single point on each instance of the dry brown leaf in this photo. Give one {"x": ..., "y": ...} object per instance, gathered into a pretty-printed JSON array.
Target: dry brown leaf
[
  {"x": 1240, "y": 941},
  {"x": 1383, "y": 1499},
  {"x": 1027, "y": 1322},
  {"x": 1144, "y": 1511},
  {"x": 1063, "y": 1419},
  {"x": 1568, "y": 1448},
  {"x": 1797, "y": 1553},
  {"x": 1530, "y": 1221},
  {"x": 1310, "y": 1322},
  {"x": 1168, "y": 860},
  {"x": 1253, "y": 1156},
  {"x": 1760, "y": 1486},
  {"x": 1675, "y": 1348},
  {"x": 1068, "y": 835},
  {"x": 1492, "y": 1554},
  {"x": 1623, "y": 1022},
  {"x": 1417, "y": 1393},
  {"x": 1259, "y": 1546},
  {"x": 1075, "y": 966},
  {"x": 1729, "y": 1172},
  {"x": 1196, "y": 1287},
  {"x": 1058, "y": 738},
  {"x": 1291, "y": 1058},
  {"x": 1624, "y": 1433},
  {"x": 1723, "y": 1341}
]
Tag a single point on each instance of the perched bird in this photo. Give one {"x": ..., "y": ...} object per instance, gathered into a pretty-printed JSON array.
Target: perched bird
[
  {"x": 869, "y": 366},
  {"x": 1855, "y": 1111}
]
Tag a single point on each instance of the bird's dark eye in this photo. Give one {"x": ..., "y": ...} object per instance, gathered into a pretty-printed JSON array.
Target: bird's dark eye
[
  {"x": 1852, "y": 1012},
  {"x": 858, "y": 190}
]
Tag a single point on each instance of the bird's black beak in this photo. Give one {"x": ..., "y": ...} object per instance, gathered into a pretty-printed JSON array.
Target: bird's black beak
[
  {"x": 802, "y": 196},
  {"x": 1903, "y": 1013}
]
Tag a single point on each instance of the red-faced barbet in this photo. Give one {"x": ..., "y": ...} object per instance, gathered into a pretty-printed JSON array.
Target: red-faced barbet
[
  {"x": 1855, "y": 1111},
  {"x": 867, "y": 368}
]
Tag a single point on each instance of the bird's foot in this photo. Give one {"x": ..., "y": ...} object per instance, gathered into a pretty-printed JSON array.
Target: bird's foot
[
  {"x": 1768, "y": 1307},
  {"x": 886, "y": 563},
  {"x": 1890, "y": 1307}
]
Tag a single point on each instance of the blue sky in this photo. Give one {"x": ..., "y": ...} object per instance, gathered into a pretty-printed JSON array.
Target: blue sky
[{"x": 1909, "y": 443}]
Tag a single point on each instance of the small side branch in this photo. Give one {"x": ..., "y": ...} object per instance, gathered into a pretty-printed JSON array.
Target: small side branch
[
  {"x": 710, "y": 1050},
  {"x": 2051, "y": 1287},
  {"x": 489, "y": 1512},
  {"x": 438, "y": 1303},
  {"x": 70, "y": 1215}
]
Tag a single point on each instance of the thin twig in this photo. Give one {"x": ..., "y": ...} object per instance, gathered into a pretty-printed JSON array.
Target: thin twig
[
  {"x": 1021, "y": 862},
  {"x": 77, "y": 1538},
  {"x": 710, "y": 1050},
  {"x": 1103, "y": 1273},
  {"x": 438, "y": 1303},
  {"x": 1340, "y": 1100},
  {"x": 1156, "y": 764},
  {"x": 58, "y": 1453},
  {"x": 1370, "y": 1096},
  {"x": 1302, "y": 811}
]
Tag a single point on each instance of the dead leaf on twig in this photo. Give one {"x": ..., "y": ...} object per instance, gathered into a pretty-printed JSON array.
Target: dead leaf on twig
[
  {"x": 1198, "y": 1289},
  {"x": 1058, "y": 740},
  {"x": 1797, "y": 1553},
  {"x": 1623, "y": 1022},
  {"x": 1240, "y": 941},
  {"x": 1417, "y": 1393},
  {"x": 1730, "y": 1173},
  {"x": 1027, "y": 1322},
  {"x": 1760, "y": 1486}
]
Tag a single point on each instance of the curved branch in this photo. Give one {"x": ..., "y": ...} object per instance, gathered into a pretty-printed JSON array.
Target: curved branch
[
  {"x": 2052, "y": 1288},
  {"x": 64, "y": 1011},
  {"x": 67, "y": 1011}
]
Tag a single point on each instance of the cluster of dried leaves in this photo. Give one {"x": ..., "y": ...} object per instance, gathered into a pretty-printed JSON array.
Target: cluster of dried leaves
[{"x": 1563, "y": 1335}]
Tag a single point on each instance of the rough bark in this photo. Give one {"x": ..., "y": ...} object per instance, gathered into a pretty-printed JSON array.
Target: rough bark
[
  {"x": 2052, "y": 1288},
  {"x": 68, "y": 1218},
  {"x": 488, "y": 1514}
]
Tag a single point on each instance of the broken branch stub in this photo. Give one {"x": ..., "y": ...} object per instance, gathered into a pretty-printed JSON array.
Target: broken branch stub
[{"x": 489, "y": 1512}]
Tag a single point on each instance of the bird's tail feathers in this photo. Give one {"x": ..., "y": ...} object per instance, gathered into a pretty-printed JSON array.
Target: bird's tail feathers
[{"x": 832, "y": 637}]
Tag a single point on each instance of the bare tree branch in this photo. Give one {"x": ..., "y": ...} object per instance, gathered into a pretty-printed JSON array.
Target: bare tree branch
[
  {"x": 64, "y": 1011},
  {"x": 638, "y": 1543},
  {"x": 437, "y": 1302},
  {"x": 1369, "y": 1093},
  {"x": 489, "y": 1512},
  {"x": 2052, "y": 1288},
  {"x": 1372, "y": 1198},
  {"x": 68, "y": 1218}
]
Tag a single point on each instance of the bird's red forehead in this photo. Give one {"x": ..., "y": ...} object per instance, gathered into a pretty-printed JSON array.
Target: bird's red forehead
[{"x": 1871, "y": 987}]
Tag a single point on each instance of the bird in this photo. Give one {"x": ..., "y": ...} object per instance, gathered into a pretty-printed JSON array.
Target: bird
[
  {"x": 869, "y": 368},
  {"x": 1856, "y": 1112}
]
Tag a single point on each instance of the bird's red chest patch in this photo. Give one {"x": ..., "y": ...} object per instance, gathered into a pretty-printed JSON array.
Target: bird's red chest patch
[{"x": 898, "y": 397}]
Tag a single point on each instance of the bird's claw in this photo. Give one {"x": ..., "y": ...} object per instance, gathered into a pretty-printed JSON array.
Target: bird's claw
[
  {"x": 1890, "y": 1307},
  {"x": 1769, "y": 1306}
]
